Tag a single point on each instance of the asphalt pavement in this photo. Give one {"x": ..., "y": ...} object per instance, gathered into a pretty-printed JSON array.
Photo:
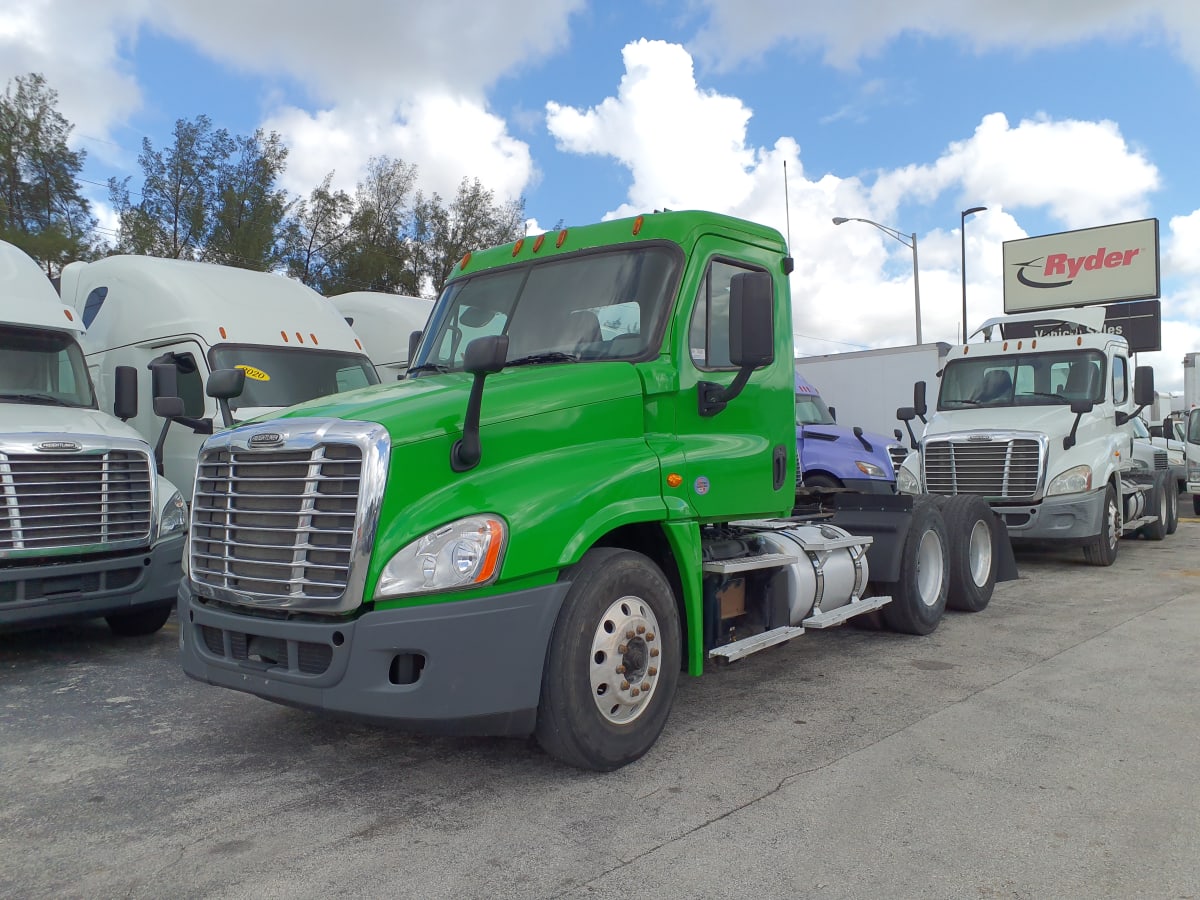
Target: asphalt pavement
[{"x": 1046, "y": 747}]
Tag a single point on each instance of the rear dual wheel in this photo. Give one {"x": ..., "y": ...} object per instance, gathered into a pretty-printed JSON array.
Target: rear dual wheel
[
  {"x": 971, "y": 525},
  {"x": 919, "y": 596}
]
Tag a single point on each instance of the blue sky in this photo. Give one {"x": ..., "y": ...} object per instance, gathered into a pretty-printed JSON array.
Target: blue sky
[{"x": 1054, "y": 116}]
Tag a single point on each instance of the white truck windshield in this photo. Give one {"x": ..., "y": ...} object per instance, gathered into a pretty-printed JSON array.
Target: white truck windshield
[
  {"x": 1032, "y": 379},
  {"x": 279, "y": 377},
  {"x": 45, "y": 367}
]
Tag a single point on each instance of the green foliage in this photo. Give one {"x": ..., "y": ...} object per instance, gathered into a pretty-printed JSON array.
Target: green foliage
[
  {"x": 41, "y": 208},
  {"x": 214, "y": 197}
]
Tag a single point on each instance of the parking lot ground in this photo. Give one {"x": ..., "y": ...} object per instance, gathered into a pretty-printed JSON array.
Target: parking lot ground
[{"x": 1045, "y": 747}]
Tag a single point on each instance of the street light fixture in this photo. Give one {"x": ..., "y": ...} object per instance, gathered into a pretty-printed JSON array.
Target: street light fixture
[
  {"x": 908, "y": 240},
  {"x": 962, "y": 233}
]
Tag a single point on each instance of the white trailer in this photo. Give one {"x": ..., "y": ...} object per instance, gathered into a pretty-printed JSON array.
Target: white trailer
[
  {"x": 384, "y": 324},
  {"x": 292, "y": 344},
  {"x": 866, "y": 387},
  {"x": 87, "y": 529},
  {"x": 1191, "y": 382}
]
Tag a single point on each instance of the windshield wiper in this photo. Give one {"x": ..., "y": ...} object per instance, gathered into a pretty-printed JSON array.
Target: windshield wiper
[
  {"x": 44, "y": 399},
  {"x": 536, "y": 358},
  {"x": 428, "y": 367},
  {"x": 1059, "y": 397},
  {"x": 965, "y": 400}
]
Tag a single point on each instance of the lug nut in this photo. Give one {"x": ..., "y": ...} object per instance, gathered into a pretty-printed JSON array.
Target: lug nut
[
  {"x": 645, "y": 685},
  {"x": 654, "y": 651},
  {"x": 650, "y": 635},
  {"x": 634, "y": 692},
  {"x": 620, "y": 670},
  {"x": 629, "y": 634},
  {"x": 641, "y": 629},
  {"x": 652, "y": 671},
  {"x": 624, "y": 685},
  {"x": 624, "y": 648}
]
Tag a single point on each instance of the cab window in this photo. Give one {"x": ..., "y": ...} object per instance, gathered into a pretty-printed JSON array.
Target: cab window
[
  {"x": 708, "y": 334},
  {"x": 1120, "y": 372}
]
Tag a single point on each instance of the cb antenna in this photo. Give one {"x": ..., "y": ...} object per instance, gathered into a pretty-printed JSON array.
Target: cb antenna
[{"x": 788, "y": 262}]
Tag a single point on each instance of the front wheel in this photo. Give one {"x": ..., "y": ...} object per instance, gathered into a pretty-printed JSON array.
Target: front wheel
[
  {"x": 1103, "y": 549},
  {"x": 613, "y": 663},
  {"x": 919, "y": 597},
  {"x": 140, "y": 621}
]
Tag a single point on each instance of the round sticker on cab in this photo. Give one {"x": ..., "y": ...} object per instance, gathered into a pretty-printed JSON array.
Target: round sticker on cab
[
  {"x": 256, "y": 374},
  {"x": 701, "y": 486}
]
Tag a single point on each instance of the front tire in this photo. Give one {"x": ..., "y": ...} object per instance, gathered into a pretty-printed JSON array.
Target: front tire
[
  {"x": 971, "y": 525},
  {"x": 919, "y": 597},
  {"x": 139, "y": 622},
  {"x": 1103, "y": 549},
  {"x": 613, "y": 662}
]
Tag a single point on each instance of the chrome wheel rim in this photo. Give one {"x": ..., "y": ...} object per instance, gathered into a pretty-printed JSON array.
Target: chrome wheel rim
[{"x": 625, "y": 660}]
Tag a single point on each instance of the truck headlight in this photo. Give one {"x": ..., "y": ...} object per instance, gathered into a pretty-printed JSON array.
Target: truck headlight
[
  {"x": 174, "y": 516},
  {"x": 869, "y": 469},
  {"x": 1072, "y": 481},
  {"x": 906, "y": 482},
  {"x": 459, "y": 555}
]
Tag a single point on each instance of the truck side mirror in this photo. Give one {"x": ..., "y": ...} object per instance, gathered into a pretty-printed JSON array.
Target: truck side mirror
[
  {"x": 164, "y": 386},
  {"x": 751, "y": 320},
  {"x": 920, "y": 407},
  {"x": 484, "y": 356},
  {"x": 751, "y": 337},
  {"x": 1143, "y": 386},
  {"x": 414, "y": 339},
  {"x": 906, "y": 414},
  {"x": 126, "y": 401},
  {"x": 224, "y": 385},
  {"x": 833, "y": 413}
]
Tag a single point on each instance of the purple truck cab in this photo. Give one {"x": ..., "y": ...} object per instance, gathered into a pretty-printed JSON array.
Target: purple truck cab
[{"x": 833, "y": 455}]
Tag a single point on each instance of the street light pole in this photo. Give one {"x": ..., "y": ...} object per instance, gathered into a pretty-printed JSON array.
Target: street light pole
[
  {"x": 908, "y": 240},
  {"x": 962, "y": 233}
]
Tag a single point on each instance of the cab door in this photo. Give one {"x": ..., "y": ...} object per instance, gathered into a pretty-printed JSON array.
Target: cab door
[{"x": 739, "y": 460}]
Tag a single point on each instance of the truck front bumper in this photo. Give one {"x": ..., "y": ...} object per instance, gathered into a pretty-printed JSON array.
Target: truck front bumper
[
  {"x": 1068, "y": 517},
  {"x": 460, "y": 667},
  {"x": 36, "y": 594}
]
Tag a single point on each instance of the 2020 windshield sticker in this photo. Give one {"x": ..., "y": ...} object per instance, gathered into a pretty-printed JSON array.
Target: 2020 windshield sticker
[{"x": 252, "y": 372}]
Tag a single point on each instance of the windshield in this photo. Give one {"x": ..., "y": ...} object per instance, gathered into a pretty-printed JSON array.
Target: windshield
[
  {"x": 811, "y": 410},
  {"x": 1139, "y": 428},
  {"x": 601, "y": 305},
  {"x": 43, "y": 367},
  {"x": 1033, "y": 379},
  {"x": 282, "y": 376}
]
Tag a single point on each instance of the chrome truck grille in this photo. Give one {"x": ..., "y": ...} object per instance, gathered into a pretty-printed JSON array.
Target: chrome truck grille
[
  {"x": 1160, "y": 461},
  {"x": 996, "y": 466},
  {"x": 74, "y": 498},
  {"x": 897, "y": 453},
  {"x": 284, "y": 513}
]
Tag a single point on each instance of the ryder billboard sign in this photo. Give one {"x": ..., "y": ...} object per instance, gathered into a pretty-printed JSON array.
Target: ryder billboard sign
[{"x": 1081, "y": 268}]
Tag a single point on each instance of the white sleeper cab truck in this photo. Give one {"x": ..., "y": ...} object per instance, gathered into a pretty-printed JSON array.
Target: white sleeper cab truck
[
  {"x": 190, "y": 320},
  {"x": 388, "y": 325},
  {"x": 87, "y": 528},
  {"x": 1042, "y": 428}
]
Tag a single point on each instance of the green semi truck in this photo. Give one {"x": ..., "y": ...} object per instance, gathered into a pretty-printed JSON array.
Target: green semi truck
[{"x": 584, "y": 486}]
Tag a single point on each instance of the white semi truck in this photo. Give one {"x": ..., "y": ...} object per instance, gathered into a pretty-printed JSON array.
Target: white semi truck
[
  {"x": 196, "y": 318},
  {"x": 386, "y": 324},
  {"x": 87, "y": 529},
  {"x": 1042, "y": 428}
]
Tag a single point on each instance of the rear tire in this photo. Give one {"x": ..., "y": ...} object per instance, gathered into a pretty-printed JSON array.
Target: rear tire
[
  {"x": 1173, "y": 505},
  {"x": 919, "y": 597},
  {"x": 613, "y": 662},
  {"x": 1196, "y": 504},
  {"x": 971, "y": 525},
  {"x": 139, "y": 622},
  {"x": 1103, "y": 549},
  {"x": 1158, "y": 505}
]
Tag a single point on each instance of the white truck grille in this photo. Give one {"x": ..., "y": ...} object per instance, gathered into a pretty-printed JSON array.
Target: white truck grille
[
  {"x": 83, "y": 501},
  {"x": 995, "y": 467}
]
